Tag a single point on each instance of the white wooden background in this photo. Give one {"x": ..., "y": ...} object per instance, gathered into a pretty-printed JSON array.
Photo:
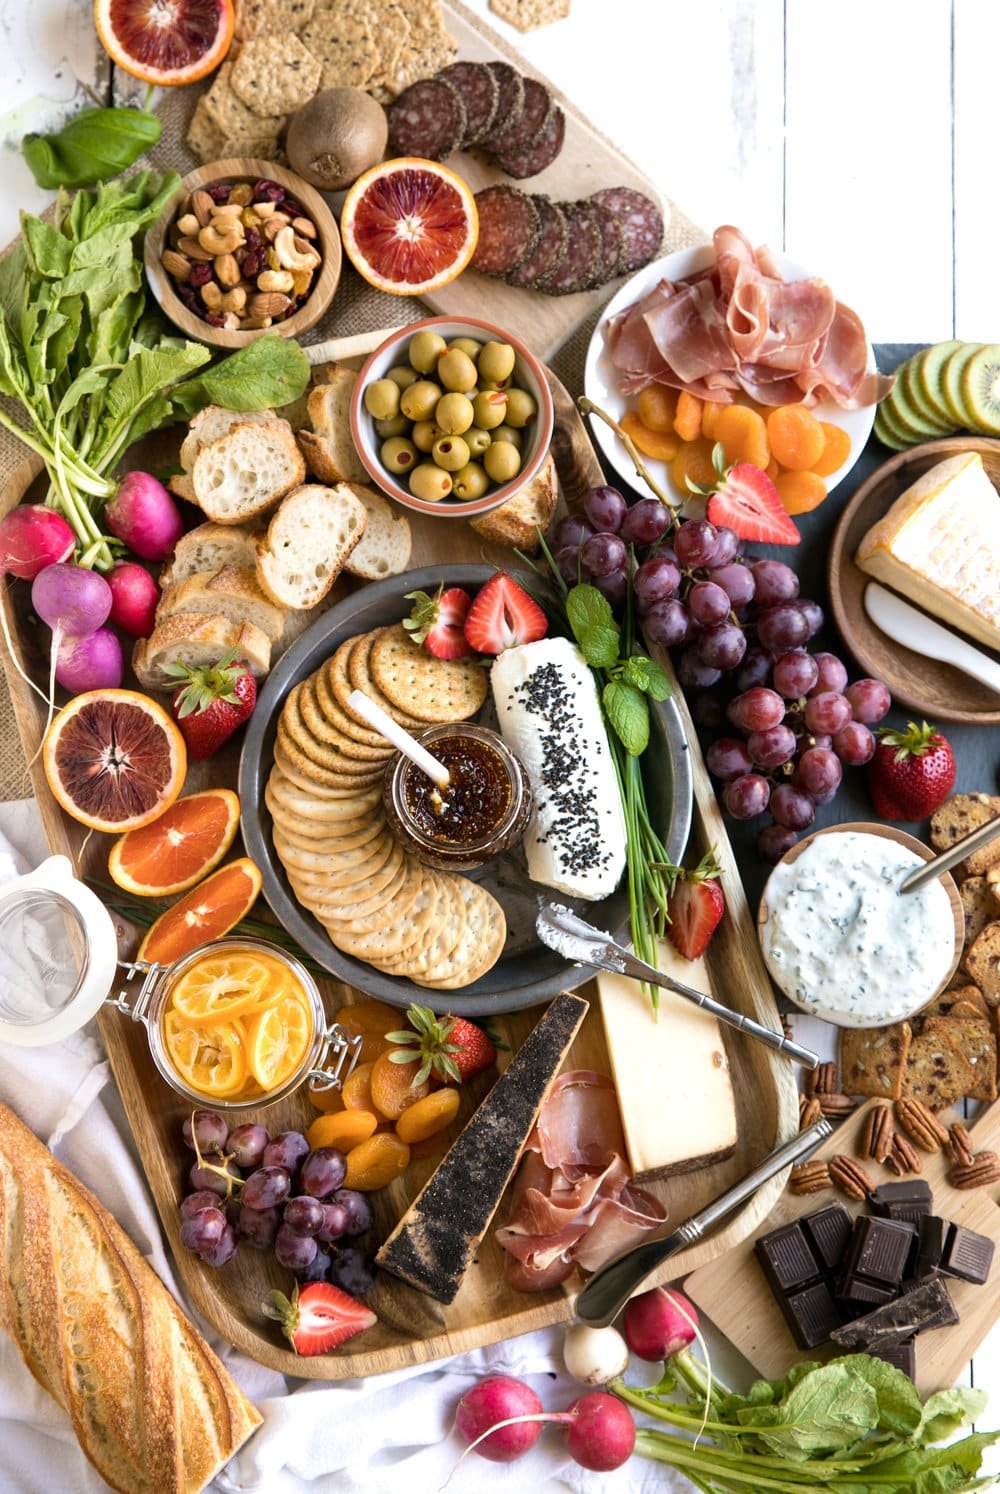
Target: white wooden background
[{"x": 857, "y": 135}]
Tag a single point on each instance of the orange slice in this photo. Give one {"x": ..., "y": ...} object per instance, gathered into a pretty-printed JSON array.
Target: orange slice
[
  {"x": 212, "y": 1060},
  {"x": 277, "y": 1042},
  {"x": 180, "y": 847},
  {"x": 114, "y": 759},
  {"x": 222, "y": 987},
  {"x": 206, "y": 913},
  {"x": 167, "y": 42},
  {"x": 409, "y": 226}
]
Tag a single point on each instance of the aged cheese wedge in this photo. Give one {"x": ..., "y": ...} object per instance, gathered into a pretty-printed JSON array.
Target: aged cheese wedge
[
  {"x": 675, "y": 1091},
  {"x": 939, "y": 545}
]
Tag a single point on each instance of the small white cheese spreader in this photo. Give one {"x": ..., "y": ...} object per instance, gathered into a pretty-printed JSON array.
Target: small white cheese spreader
[{"x": 914, "y": 629}]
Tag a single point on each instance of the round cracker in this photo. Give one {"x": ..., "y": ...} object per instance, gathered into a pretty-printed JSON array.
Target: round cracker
[
  {"x": 399, "y": 924},
  {"x": 367, "y": 913},
  {"x": 480, "y": 947},
  {"x": 319, "y": 789},
  {"x": 339, "y": 884},
  {"x": 306, "y": 826},
  {"x": 361, "y": 861},
  {"x": 438, "y": 939},
  {"x": 324, "y": 754},
  {"x": 359, "y": 677},
  {"x": 314, "y": 773},
  {"x": 434, "y": 690},
  {"x": 316, "y": 804},
  {"x": 326, "y": 732},
  {"x": 337, "y": 716}
]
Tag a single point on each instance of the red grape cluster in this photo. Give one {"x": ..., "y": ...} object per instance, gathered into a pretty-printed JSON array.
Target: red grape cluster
[{"x": 274, "y": 1193}]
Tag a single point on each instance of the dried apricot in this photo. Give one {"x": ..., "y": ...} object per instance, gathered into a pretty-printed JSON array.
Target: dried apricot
[
  {"x": 428, "y": 1116},
  {"x": 743, "y": 435},
  {"x": 710, "y": 412},
  {"x": 796, "y": 437},
  {"x": 800, "y": 491},
  {"x": 835, "y": 452},
  {"x": 375, "y": 1162},
  {"x": 393, "y": 1085},
  {"x": 370, "y": 1021},
  {"x": 772, "y": 469},
  {"x": 687, "y": 421},
  {"x": 694, "y": 461},
  {"x": 344, "y": 1131},
  {"x": 656, "y": 407},
  {"x": 660, "y": 444},
  {"x": 357, "y": 1090}
]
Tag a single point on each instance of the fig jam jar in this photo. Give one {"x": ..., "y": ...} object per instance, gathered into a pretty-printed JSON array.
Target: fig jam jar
[{"x": 481, "y": 813}]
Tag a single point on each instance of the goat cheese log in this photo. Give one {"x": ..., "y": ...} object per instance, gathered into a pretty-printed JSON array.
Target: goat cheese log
[{"x": 550, "y": 716}]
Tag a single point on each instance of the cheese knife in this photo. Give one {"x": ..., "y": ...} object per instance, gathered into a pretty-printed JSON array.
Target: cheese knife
[{"x": 915, "y": 630}]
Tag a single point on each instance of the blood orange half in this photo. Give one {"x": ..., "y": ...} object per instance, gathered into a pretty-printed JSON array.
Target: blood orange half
[
  {"x": 409, "y": 226},
  {"x": 180, "y": 847},
  {"x": 114, "y": 759},
  {"x": 206, "y": 913},
  {"x": 167, "y": 42}
]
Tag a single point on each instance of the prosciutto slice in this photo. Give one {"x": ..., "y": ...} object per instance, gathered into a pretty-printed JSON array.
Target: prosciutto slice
[
  {"x": 739, "y": 325},
  {"x": 573, "y": 1202}
]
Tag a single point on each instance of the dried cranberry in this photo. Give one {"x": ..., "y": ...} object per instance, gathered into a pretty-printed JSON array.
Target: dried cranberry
[
  {"x": 201, "y": 274},
  {"x": 291, "y": 207},
  {"x": 219, "y": 191},
  {"x": 215, "y": 319},
  {"x": 253, "y": 238},
  {"x": 188, "y": 298},
  {"x": 265, "y": 191},
  {"x": 250, "y": 265}
]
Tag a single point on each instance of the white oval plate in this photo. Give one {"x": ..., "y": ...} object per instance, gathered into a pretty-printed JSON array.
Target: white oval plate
[{"x": 600, "y": 376}]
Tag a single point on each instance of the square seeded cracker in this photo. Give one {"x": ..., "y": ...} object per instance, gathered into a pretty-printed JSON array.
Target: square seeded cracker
[
  {"x": 393, "y": 31},
  {"x": 275, "y": 75},
  {"x": 973, "y": 1038},
  {"x": 936, "y": 1072},
  {"x": 872, "y": 1059},
  {"x": 343, "y": 43},
  {"x": 204, "y": 137},
  {"x": 271, "y": 17},
  {"x": 957, "y": 817},
  {"x": 529, "y": 15},
  {"x": 238, "y": 124}
]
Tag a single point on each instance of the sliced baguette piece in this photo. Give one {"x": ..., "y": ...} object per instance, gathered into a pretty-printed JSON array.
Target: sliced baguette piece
[
  {"x": 198, "y": 640},
  {"x": 181, "y": 484},
  {"x": 214, "y": 422},
  {"x": 307, "y": 542},
  {"x": 329, "y": 446},
  {"x": 247, "y": 472},
  {"x": 232, "y": 591},
  {"x": 384, "y": 548},
  {"x": 516, "y": 523},
  {"x": 209, "y": 547}
]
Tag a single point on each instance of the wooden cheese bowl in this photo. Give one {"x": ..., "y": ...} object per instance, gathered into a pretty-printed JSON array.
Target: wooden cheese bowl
[{"x": 887, "y": 832}]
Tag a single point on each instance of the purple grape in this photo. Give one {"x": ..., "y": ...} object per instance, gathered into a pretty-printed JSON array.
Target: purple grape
[
  {"x": 737, "y": 582},
  {"x": 656, "y": 580},
  {"x": 286, "y": 1150},
  {"x": 646, "y": 522},
  {"x": 352, "y": 1271},
  {"x": 870, "y": 701},
  {"x": 572, "y": 532},
  {"x": 708, "y": 710},
  {"x": 747, "y": 796},
  {"x": 791, "y": 807},
  {"x": 570, "y": 565},
  {"x": 755, "y": 669},
  {"x": 604, "y": 553},
  {"x": 775, "y": 582},
  {"x": 771, "y": 748},
  {"x": 781, "y": 628},
  {"x": 708, "y": 603},
  {"x": 202, "y": 1229},
  {"x": 293, "y": 1251},
  {"x": 827, "y": 712},
  {"x": 267, "y": 1188},
  {"x": 756, "y": 710},
  {"x": 258, "y": 1226},
  {"x": 360, "y": 1214},
  {"x": 614, "y": 587},
  {"x": 202, "y": 1177},
  {"x": 205, "y": 1198},
  {"x": 336, "y": 1218},
  {"x": 722, "y": 647},
  {"x": 819, "y": 773},
  {"x": 727, "y": 758},
  {"x": 813, "y": 614},
  {"x": 795, "y": 674},
  {"x": 693, "y": 674},
  {"x": 323, "y": 1171},
  {"x": 317, "y": 1268},
  {"x": 222, "y": 1252},
  {"x": 605, "y": 509},
  {"x": 304, "y": 1215},
  {"x": 667, "y": 623},
  {"x": 246, "y": 1145},
  {"x": 694, "y": 542},
  {"x": 727, "y": 547},
  {"x": 207, "y": 1128},
  {"x": 854, "y": 744},
  {"x": 832, "y": 674},
  {"x": 773, "y": 841}
]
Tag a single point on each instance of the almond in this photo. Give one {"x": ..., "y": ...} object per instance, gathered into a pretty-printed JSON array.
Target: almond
[
  {"x": 176, "y": 265},
  {"x": 268, "y": 303},
  {"x": 202, "y": 206}
]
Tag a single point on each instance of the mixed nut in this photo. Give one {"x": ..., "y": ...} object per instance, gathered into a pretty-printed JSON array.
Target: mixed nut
[{"x": 243, "y": 255}]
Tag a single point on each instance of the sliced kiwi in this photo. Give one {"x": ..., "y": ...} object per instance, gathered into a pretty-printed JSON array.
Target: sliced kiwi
[
  {"x": 911, "y": 400},
  {"x": 951, "y": 379},
  {"x": 889, "y": 433},
  {"x": 926, "y": 380},
  {"x": 906, "y": 417},
  {"x": 980, "y": 390}
]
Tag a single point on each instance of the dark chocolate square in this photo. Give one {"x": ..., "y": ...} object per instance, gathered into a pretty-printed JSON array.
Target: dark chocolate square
[
  {"x": 879, "y": 1249},
  {"x": 854, "y": 1289},
  {"x": 786, "y": 1259},
  {"x": 907, "y": 1201},
  {"x": 932, "y": 1235},
  {"x": 902, "y": 1356},
  {"x": 828, "y": 1231},
  {"x": 811, "y": 1314},
  {"x": 926, "y": 1304},
  {"x": 967, "y": 1255}
]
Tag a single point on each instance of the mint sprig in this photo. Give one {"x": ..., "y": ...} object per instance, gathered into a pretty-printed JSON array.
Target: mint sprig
[{"x": 629, "y": 680}]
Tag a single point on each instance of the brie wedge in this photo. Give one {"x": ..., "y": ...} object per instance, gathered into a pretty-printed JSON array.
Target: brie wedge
[
  {"x": 550, "y": 717},
  {"x": 939, "y": 545}
]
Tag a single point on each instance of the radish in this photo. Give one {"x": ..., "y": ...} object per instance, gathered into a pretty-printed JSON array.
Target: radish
[
  {"x": 74, "y": 602},
  {"x": 659, "y": 1324},
  {"x": 594, "y": 1356},
  {"x": 134, "y": 599},
  {"x": 32, "y": 537},
  {"x": 143, "y": 514},
  {"x": 600, "y": 1432},
  {"x": 499, "y": 1400},
  {"x": 94, "y": 662}
]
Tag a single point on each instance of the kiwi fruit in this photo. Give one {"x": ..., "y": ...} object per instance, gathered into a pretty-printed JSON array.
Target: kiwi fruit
[
  {"x": 951, "y": 380},
  {"x": 911, "y": 408},
  {"x": 888, "y": 432},
  {"x": 980, "y": 390},
  {"x": 335, "y": 137},
  {"x": 926, "y": 380}
]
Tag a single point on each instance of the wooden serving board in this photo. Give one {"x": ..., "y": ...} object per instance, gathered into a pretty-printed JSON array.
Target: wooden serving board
[
  {"x": 731, "y": 1289},
  {"x": 412, "y": 1328}
]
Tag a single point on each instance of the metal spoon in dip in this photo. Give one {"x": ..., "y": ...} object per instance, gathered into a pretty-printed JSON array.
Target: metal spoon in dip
[{"x": 945, "y": 860}]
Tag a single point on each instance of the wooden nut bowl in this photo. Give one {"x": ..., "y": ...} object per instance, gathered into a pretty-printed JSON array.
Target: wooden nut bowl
[
  {"x": 887, "y": 832},
  {"x": 245, "y": 168}
]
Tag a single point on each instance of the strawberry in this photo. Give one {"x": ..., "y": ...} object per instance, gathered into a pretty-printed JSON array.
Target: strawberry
[
  {"x": 912, "y": 772},
  {"x": 212, "y": 702},
  {"x": 436, "y": 622},
  {"x": 695, "y": 906},
  {"x": 319, "y": 1317},
  {"x": 502, "y": 616},
  {"x": 744, "y": 498},
  {"x": 450, "y": 1047}
]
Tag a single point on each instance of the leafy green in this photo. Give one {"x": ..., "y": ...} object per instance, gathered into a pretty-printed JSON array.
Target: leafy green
[
  {"x": 95, "y": 144},
  {"x": 628, "y": 715},
  {"x": 267, "y": 373}
]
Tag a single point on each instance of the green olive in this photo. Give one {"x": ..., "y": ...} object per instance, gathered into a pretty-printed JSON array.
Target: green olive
[
  {"x": 521, "y": 407},
  {"x": 450, "y": 452},
  {"x": 489, "y": 408},
  {"x": 456, "y": 371},
  {"x": 502, "y": 461},
  {"x": 382, "y": 399},
  {"x": 470, "y": 482},
  {"x": 425, "y": 433},
  {"x": 418, "y": 402},
  {"x": 507, "y": 433},
  {"x": 402, "y": 375},
  {"x": 467, "y": 345},
  {"x": 425, "y": 349},
  {"x": 453, "y": 413},
  {"x": 490, "y": 384},
  {"x": 397, "y": 426},
  {"x": 430, "y": 482},
  {"x": 496, "y": 361},
  {"x": 477, "y": 440},
  {"x": 398, "y": 455}
]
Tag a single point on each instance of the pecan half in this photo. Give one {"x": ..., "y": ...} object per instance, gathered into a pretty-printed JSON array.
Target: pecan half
[
  {"x": 960, "y": 1147},
  {"x": 809, "y": 1110},
  {"x": 904, "y": 1157},
  {"x": 809, "y": 1177},
  {"x": 982, "y": 1170},
  {"x": 921, "y": 1125},
  {"x": 850, "y": 1177},
  {"x": 824, "y": 1079},
  {"x": 835, "y": 1106},
  {"x": 876, "y": 1135}
]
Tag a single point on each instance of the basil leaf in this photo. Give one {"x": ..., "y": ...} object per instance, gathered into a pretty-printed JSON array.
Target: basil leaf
[
  {"x": 628, "y": 713},
  {"x": 268, "y": 373},
  {"x": 94, "y": 145}
]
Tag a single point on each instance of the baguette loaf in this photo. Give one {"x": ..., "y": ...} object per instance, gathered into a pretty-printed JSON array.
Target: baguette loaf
[
  {"x": 329, "y": 447},
  {"x": 210, "y": 547},
  {"x": 307, "y": 542},
  {"x": 153, "y": 1409},
  {"x": 232, "y": 591},
  {"x": 197, "y": 639},
  {"x": 247, "y": 471},
  {"x": 384, "y": 548}
]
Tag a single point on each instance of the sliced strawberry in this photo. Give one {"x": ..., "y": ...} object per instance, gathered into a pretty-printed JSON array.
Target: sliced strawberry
[
  {"x": 437, "y": 621},
  {"x": 502, "y": 616},
  {"x": 747, "y": 501},
  {"x": 319, "y": 1317},
  {"x": 695, "y": 906}
]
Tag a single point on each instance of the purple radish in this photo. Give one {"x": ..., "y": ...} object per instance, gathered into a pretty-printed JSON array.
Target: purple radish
[
  {"x": 94, "y": 662},
  {"x": 658, "y": 1324},
  {"x": 600, "y": 1432},
  {"x": 32, "y": 537},
  {"x": 74, "y": 602},
  {"x": 143, "y": 514},
  {"x": 498, "y": 1399},
  {"x": 134, "y": 599}
]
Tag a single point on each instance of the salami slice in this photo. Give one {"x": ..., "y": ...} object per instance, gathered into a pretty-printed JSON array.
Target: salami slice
[
  {"x": 552, "y": 240},
  {"x": 612, "y": 245},
  {"x": 509, "y": 229},
  {"x": 428, "y": 119},
  {"x": 510, "y": 106},
  {"x": 575, "y": 269},
  {"x": 530, "y": 160},
  {"x": 641, "y": 221},
  {"x": 539, "y": 105},
  {"x": 480, "y": 93}
]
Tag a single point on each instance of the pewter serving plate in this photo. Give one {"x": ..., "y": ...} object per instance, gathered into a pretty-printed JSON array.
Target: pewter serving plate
[{"x": 527, "y": 972}]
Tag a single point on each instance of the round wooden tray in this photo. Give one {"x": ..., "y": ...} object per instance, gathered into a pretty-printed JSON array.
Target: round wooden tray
[{"x": 936, "y": 690}]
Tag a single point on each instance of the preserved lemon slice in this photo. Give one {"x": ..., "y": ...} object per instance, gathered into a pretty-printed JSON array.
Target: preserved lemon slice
[
  {"x": 209, "y": 1058},
  {"x": 223, "y": 987},
  {"x": 278, "y": 1040}
]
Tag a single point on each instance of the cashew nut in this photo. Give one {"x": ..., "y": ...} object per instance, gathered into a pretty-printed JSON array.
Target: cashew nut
[
  {"x": 188, "y": 224},
  {"x": 275, "y": 280},
  {"x": 255, "y": 323},
  {"x": 234, "y": 300},
  {"x": 221, "y": 240},
  {"x": 231, "y": 321},
  {"x": 227, "y": 270},
  {"x": 211, "y": 295},
  {"x": 227, "y": 210},
  {"x": 289, "y": 255},
  {"x": 265, "y": 209}
]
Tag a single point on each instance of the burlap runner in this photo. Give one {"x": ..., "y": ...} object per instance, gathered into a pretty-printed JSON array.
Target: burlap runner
[{"x": 357, "y": 307}]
